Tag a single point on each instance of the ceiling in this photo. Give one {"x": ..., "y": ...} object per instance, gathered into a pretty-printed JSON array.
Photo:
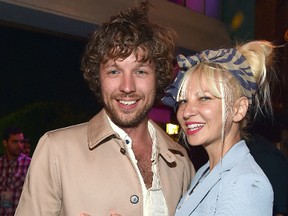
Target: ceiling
[{"x": 80, "y": 18}]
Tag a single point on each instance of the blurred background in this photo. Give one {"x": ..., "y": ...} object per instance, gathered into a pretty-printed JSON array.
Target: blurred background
[{"x": 42, "y": 42}]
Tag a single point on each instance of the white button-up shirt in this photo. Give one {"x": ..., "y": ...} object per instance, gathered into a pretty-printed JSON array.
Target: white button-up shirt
[{"x": 154, "y": 201}]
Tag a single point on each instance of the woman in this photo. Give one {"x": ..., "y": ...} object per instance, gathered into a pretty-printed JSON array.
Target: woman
[{"x": 215, "y": 94}]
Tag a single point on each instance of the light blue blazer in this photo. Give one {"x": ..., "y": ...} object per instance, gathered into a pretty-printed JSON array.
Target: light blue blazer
[{"x": 236, "y": 186}]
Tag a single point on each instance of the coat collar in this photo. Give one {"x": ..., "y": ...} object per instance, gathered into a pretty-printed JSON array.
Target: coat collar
[
  {"x": 231, "y": 158},
  {"x": 99, "y": 131}
]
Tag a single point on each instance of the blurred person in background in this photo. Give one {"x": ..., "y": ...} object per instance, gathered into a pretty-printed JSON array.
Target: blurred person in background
[
  {"x": 275, "y": 165},
  {"x": 26, "y": 147},
  {"x": 13, "y": 168}
]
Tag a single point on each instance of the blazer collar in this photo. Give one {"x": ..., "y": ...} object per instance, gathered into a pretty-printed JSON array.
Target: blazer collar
[{"x": 230, "y": 159}]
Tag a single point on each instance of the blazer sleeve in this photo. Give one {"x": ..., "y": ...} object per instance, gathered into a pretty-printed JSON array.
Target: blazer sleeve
[
  {"x": 41, "y": 194},
  {"x": 246, "y": 194}
]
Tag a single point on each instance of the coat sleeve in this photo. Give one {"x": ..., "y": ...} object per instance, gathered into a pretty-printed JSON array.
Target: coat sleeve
[
  {"x": 247, "y": 194},
  {"x": 41, "y": 194}
]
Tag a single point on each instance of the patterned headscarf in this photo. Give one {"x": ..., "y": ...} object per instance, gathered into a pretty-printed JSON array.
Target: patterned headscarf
[{"x": 231, "y": 59}]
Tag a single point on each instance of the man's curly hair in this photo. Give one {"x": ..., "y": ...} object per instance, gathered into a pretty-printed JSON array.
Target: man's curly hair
[{"x": 123, "y": 35}]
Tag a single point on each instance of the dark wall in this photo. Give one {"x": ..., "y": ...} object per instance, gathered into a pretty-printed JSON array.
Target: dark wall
[{"x": 37, "y": 66}]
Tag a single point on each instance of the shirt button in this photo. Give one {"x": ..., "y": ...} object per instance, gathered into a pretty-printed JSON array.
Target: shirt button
[
  {"x": 127, "y": 141},
  {"x": 123, "y": 151},
  {"x": 134, "y": 199}
]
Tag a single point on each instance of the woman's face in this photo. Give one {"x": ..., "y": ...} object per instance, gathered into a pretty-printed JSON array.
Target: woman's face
[{"x": 200, "y": 114}]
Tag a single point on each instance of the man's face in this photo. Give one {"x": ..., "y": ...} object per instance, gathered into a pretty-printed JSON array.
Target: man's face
[
  {"x": 128, "y": 89},
  {"x": 26, "y": 148},
  {"x": 14, "y": 145}
]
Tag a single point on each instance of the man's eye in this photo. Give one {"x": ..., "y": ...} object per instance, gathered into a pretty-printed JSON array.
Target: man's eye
[
  {"x": 114, "y": 72},
  {"x": 140, "y": 72}
]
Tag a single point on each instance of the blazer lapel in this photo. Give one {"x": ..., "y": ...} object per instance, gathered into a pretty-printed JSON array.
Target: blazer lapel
[
  {"x": 202, "y": 189},
  {"x": 197, "y": 192}
]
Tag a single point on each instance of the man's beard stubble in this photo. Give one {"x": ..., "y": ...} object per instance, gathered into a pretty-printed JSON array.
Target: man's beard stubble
[{"x": 134, "y": 120}]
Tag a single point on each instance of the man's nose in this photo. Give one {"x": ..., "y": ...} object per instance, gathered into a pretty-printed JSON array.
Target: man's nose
[{"x": 128, "y": 83}]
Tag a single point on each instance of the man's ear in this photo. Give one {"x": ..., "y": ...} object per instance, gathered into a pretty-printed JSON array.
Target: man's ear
[{"x": 240, "y": 109}]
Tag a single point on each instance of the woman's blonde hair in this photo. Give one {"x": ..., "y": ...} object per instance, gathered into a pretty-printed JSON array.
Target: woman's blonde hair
[{"x": 223, "y": 84}]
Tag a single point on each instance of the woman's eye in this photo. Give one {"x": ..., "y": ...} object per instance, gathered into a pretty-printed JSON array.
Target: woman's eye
[
  {"x": 205, "y": 98},
  {"x": 181, "y": 102}
]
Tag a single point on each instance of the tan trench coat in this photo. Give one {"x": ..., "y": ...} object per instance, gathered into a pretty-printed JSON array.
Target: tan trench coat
[{"x": 85, "y": 169}]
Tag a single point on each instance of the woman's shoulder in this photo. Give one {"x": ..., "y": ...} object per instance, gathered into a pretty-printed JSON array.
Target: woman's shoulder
[{"x": 247, "y": 175}]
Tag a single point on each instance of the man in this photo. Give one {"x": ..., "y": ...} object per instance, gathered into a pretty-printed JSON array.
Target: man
[
  {"x": 119, "y": 161},
  {"x": 13, "y": 169},
  {"x": 26, "y": 147}
]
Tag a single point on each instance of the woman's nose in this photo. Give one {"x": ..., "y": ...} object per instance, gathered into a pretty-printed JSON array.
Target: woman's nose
[{"x": 189, "y": 110}]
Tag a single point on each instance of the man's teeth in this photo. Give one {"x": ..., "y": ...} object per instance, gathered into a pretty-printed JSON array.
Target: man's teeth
[
  {"x": 127, "y": 103},
  {"x": 194, "y": 126}
]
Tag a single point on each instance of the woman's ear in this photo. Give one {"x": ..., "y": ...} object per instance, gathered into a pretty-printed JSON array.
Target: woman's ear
[{"x": 240, "y": 109}]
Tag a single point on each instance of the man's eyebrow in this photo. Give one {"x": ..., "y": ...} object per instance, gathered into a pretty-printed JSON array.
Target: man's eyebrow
[
  {"x": 110, "y": 64},
  {"x": 144, "y": 63}
]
